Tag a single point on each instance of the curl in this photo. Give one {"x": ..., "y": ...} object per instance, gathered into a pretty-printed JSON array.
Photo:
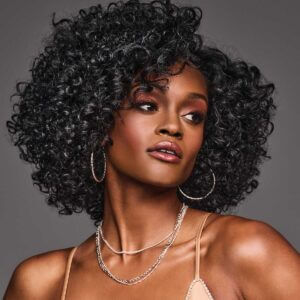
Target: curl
[{"x": 86, "y": 69}]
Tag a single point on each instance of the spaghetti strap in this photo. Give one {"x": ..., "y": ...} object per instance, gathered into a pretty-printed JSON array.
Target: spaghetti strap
[
  {"x": 198, "y": 246},
  {"x": 67, "y": 273}
]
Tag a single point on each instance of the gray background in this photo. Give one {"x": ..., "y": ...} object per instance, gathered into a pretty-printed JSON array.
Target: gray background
[{"x": 265, "y": 33}]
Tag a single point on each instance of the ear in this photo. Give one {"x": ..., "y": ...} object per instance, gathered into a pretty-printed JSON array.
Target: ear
[{"x": 106, "y": 140}]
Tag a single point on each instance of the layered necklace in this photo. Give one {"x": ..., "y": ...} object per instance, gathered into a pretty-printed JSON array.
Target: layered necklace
[{"x": 171, "y": 237}]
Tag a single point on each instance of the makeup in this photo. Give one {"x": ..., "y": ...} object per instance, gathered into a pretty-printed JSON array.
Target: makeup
[{"x": 164, "y": 156}]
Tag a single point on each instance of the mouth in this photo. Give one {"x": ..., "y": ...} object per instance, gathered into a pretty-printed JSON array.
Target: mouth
[
  {"x": 166, "y": 151},
  {"x": 165, "y": 156}
]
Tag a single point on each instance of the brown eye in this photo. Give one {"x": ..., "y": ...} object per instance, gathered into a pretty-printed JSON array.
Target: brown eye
[
  {"x": 145, "y": 105},
  {"x": 196, "y": 117}
]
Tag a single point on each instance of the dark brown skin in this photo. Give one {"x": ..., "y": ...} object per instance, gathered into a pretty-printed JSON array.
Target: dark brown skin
[{"x": 240, "y": 258}]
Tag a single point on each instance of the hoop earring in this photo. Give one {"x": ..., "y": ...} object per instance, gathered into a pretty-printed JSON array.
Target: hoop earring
[
  {"x": 202, "y": 197},
  {"x": 92, "y": 168}
]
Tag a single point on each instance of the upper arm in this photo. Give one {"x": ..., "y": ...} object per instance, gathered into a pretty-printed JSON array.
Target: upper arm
[
  {"x": 37, "y": 277},
  {"x": 268, "y": 267}
]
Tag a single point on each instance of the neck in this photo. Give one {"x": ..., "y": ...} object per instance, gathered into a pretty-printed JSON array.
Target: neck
[{"x": 137, "y": 215}]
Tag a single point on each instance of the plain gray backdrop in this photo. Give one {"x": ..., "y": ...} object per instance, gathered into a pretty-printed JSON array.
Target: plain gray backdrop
[{"x": 265, "y": 33}]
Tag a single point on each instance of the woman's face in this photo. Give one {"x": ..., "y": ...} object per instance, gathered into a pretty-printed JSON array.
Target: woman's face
[{"x": 176, "y": 114}]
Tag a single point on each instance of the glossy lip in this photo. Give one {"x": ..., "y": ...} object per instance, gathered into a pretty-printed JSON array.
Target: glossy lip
[
  {"x": 167, "y": 145},
  {"x": 165, "y": 156}
]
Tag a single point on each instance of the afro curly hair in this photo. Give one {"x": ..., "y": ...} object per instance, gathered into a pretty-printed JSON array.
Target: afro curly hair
[{"x": 86, "y": 69}]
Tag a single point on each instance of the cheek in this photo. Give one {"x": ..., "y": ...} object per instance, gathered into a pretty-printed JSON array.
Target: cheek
[
  {"x": 129, "y": 137},
  {"x": 194, "y": 142}
]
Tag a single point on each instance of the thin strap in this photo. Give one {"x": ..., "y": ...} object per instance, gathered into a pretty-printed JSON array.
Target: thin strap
[
  {"x": 198, "y": 240},
  {"x": 67, "y": 273}
]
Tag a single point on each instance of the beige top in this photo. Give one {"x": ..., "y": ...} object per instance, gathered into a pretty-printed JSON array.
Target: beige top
[{"x": 197, "y": 289}]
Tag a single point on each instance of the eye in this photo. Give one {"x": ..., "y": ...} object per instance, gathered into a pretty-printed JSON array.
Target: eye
[
  {"x": 145, "y": 105},
  {"x": 196, "y": 117}
]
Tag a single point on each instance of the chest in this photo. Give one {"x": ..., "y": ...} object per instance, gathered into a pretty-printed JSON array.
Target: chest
[
  {"x": 170, "y": 280},
  {"x": 173, "y": 279}
]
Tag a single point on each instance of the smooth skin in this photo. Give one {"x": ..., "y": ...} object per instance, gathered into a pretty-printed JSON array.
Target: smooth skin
[{"x": 240, "y": 258}]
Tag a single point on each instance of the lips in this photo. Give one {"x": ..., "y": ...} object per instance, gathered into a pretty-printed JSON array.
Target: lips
[
  {"x": 162, "y": 148},
  {"x": 170, "y": 158}
]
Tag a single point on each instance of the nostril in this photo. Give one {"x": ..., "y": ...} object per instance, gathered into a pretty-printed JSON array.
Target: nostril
[{"x": 165, "y": 131}]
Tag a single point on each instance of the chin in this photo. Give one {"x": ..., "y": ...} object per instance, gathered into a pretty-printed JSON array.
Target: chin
[{"x": 163, "y": 181}]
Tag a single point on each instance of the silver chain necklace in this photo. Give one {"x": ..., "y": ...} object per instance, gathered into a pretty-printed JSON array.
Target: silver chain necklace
[
  {"x": 129, "y": 252},
  {"x": 149, "y": 271}
]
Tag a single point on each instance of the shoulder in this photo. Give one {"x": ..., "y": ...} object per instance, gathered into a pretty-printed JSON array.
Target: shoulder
[
  {"x": 259, "y": 258},
  {"x": 252, "y": 239},
  {"x": 38, "y": 276}
]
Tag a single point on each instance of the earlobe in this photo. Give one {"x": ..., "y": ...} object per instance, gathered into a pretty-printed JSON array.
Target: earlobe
[{"x": 106, "y": 140}]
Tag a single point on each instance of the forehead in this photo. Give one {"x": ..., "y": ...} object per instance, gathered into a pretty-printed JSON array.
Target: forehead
[
  {"x": 186, "y": 76},
  {"x": 187, "y": 81}
]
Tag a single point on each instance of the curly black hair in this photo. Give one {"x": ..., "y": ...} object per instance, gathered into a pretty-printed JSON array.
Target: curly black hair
[{"x": 86, "y": 69}]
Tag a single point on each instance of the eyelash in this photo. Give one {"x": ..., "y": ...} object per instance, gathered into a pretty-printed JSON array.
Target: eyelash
[{"x": 140, "y": 103}]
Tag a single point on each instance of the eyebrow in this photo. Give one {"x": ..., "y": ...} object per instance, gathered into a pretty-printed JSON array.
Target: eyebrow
[
  {"x": 195, "y": 96},
  {"x": 190, "y": 96}
]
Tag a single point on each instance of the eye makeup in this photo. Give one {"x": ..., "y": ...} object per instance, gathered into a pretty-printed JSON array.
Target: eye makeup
[{"x": 149, "y": 106}]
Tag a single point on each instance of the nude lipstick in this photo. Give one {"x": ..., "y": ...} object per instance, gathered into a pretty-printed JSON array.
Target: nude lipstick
[{"x": 166, "y": 151}]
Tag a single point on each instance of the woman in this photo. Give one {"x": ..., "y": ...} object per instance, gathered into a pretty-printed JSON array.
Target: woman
[{"x": 129, "y": 117}]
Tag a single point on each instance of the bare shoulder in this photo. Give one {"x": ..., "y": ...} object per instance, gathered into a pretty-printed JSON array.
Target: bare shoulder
[
  {"x": 253, "y": 239},
  {"x": 259, "y": 258},
  {"x": 39, "y": 276}
]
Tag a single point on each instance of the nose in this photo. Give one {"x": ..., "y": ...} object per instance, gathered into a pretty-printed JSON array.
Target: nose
[{"x": 170, "y": 125}]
